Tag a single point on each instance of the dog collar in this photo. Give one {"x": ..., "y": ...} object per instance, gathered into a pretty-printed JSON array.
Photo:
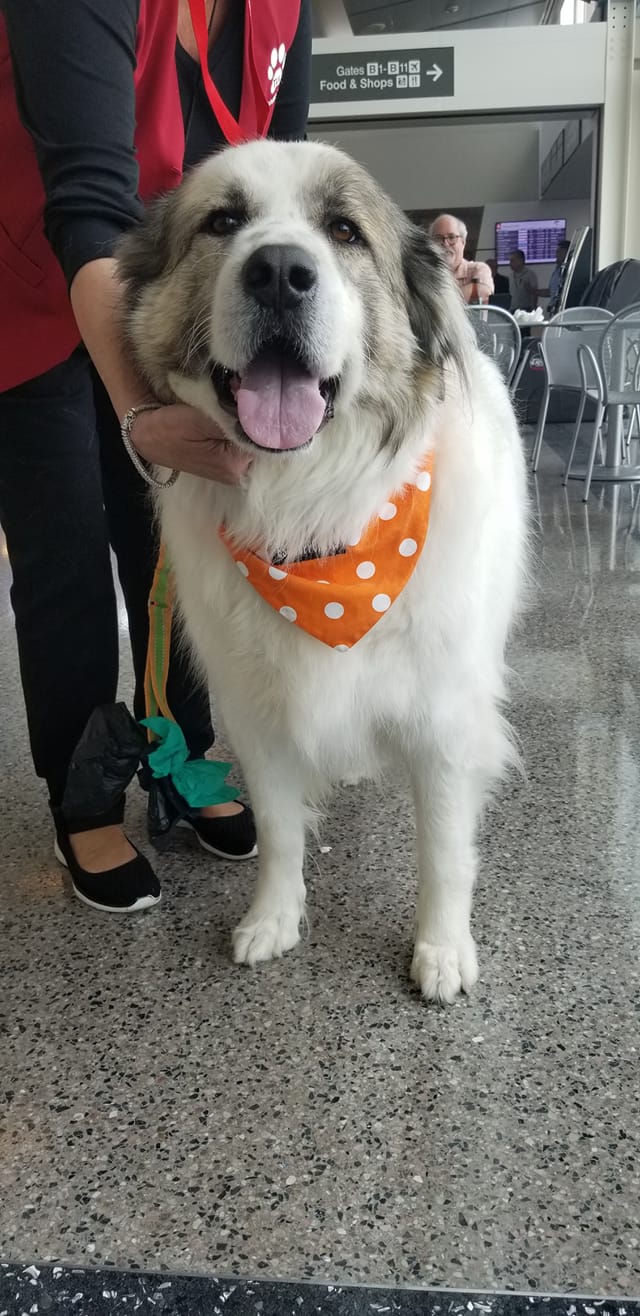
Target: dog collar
[{"x": 339, "y": 599}]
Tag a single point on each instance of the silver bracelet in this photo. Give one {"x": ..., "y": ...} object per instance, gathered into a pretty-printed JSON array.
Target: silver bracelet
[{"x": 141, "y": 466}]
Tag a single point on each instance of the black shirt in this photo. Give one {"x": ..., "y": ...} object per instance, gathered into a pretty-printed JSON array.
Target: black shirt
[
  {"x": 73, "y": 63},
  {"x": 202, "y": 132}
]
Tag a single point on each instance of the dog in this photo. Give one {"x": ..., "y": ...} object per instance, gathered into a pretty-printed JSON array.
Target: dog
[{"x": 281, "y": 292}]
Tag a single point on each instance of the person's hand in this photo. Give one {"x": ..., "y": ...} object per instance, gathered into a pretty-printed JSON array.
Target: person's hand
[
  {"x": 474, "y": 288},
  {"x": 184, "y": 439}
]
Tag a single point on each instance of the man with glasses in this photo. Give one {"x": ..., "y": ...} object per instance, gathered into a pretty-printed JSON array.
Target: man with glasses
[{"x": 473, "y": 277}]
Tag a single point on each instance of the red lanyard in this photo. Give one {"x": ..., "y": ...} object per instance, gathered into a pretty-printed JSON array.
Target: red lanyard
[{"x": 229, "y": 125}]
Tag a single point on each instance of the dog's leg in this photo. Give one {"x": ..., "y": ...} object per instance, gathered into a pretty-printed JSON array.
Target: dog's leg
[
  {"x": 447, "y": 804},
  {"x": 272, "y": 923}
]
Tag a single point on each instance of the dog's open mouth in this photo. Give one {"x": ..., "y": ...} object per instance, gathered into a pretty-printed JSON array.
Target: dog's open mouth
[{"x": 277, "y": 400}]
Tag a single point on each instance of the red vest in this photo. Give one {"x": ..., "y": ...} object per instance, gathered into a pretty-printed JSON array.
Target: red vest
[{"x": 37, "y": 327}]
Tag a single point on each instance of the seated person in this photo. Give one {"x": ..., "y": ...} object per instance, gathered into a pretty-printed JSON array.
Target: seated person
[{"x": 473, "y": 277}]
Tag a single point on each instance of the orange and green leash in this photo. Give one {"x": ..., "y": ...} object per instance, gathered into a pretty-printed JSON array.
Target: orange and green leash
[{"x": 161, "y": 608}]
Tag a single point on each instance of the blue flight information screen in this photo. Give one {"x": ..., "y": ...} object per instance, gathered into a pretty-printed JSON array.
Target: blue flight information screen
[{"x": 537, "y": 238}]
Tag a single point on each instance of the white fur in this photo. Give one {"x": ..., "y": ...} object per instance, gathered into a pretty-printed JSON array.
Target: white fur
[{"x": 422, "y": 690}]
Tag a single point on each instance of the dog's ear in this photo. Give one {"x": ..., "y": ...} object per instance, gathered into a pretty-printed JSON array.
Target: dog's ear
[
  {"x": 146, "y": 251},
  {"x": 434, "y": 304}
]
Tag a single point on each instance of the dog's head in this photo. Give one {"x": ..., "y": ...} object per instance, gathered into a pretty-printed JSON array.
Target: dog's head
[{"x": 282, "y": 279}]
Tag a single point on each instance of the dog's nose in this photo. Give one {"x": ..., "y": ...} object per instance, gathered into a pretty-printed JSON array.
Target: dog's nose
[{"x": 280, "y": 277}]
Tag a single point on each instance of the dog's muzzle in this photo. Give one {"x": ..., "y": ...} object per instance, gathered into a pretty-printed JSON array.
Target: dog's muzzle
[{"x": 279, "y": 398}]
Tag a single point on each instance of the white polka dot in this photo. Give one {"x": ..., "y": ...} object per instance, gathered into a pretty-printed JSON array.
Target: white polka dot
[
  {"x": 381, "y": 603},
  {"x": 334, "y": 610},
  {"x": 408, "y": 547},
  {"x": 281, "y": 54},
  {"x": 355, "y": 539},
  {"x": 274, "y": 57},
  {"x": 341, "y": 648},
  {"x": 423, "y": 481},
  {"x": 289, "y": 613},
  {"x": 277, "y": 574},
  {"x": 243, "y": 568},
  {"x": 388, "y": 512},
  {"x": 365, "y": 570}
]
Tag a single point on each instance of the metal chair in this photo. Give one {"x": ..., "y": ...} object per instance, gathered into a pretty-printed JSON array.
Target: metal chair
[
  {"x": 559, "y": 348},
  {"x": 498, "y": 336},
  {"x": 610, "y": 377}
]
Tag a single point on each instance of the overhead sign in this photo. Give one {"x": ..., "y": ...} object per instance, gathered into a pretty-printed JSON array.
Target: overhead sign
[{"x": 382, "y": 75}]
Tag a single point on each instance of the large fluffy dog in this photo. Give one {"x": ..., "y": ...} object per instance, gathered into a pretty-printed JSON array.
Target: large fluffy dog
[{"x": 281, "y": 292}]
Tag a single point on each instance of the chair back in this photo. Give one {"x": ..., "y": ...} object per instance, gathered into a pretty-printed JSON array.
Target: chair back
[
  {"x": 563, "y": 336},
  {"x": 618, "y": 356},
  {"x": 498, "y": 336}
]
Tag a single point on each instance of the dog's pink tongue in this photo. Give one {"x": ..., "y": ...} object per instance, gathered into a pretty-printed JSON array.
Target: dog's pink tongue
[{"x": 279, "y": 404}]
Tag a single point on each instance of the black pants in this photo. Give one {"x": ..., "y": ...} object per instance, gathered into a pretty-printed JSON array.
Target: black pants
[{"x": 67, "y": 492}]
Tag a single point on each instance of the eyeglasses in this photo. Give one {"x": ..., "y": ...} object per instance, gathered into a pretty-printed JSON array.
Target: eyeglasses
[{"x": 447, "y": 237}]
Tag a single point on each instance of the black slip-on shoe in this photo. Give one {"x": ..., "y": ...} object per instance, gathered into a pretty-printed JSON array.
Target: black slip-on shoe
[
  {"x": 125, "y": 890},
  {"x": 232, "y": 837}
]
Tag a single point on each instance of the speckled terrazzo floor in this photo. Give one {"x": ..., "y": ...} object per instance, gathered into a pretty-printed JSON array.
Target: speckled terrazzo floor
[{"x": 313, "y": 1120}]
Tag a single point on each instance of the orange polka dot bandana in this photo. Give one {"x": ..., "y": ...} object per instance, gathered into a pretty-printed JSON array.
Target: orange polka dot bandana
[{"x": 339, "y": 599}]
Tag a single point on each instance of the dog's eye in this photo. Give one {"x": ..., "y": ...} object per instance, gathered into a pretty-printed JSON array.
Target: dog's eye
[
  {"x": 344, "y": 230},
  {"x": 222, "y": 223}
]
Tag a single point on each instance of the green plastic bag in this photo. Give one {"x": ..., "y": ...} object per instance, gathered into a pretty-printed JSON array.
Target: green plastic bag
[{"x": 199, "y": 781}]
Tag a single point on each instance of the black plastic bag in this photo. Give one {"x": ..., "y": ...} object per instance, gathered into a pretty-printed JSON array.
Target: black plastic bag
[
  {"x": 166, "y": 804},
  {"x": 104, "y": 762}
]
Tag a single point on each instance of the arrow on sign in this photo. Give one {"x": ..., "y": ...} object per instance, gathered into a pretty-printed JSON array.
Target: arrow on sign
[{"x": 435, "y": 72}]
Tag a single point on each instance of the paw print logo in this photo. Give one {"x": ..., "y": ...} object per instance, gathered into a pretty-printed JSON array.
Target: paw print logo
[{"x": 275, "y": 69}]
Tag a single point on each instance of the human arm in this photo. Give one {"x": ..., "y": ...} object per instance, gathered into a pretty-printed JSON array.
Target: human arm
[
  {"x": 485, "y": 280},
  {"x": 478, "y": 276},
  {"x": 73, "y": 63},
  {"x": 177, "y": 436}
]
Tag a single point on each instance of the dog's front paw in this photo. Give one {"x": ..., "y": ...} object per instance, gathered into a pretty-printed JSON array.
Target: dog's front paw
[
  {"x": 442, "y": 971},
  {"x": 263, "y": 937}
]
